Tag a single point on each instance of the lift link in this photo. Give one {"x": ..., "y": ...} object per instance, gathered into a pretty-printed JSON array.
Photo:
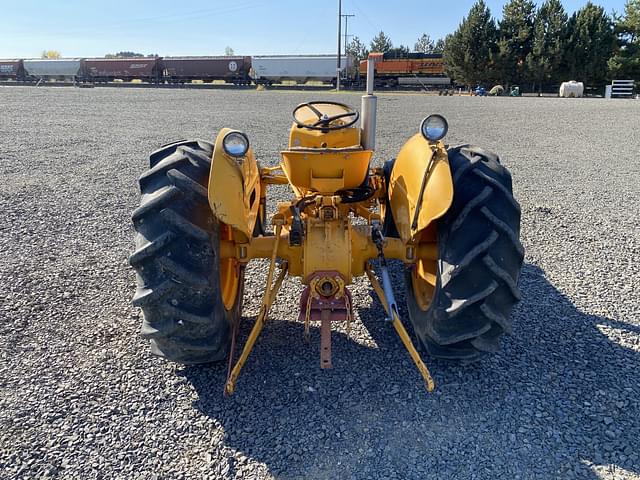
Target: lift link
[
  {"x": 269, "y": 295},
  {"x": 385, "y": 294}
]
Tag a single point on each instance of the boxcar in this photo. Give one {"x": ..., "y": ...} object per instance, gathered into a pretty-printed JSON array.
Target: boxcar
[
  {"x": 299, "y": 68},
  {"x": 103, "y": 70},
  {"x": 68, "y": 69},
  {"x": 185, "y": 69},
  {"x": 11, "y": 70}
]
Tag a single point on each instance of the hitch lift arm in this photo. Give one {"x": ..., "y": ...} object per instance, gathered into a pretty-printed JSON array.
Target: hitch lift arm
[{"x": 385, "y": 294}]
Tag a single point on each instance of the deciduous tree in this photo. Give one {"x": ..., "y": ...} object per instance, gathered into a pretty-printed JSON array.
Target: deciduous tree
[{"x": 50, "y": 54}]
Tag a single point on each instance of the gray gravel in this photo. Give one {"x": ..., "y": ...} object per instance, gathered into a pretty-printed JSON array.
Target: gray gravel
[{"x": 82, "y": 398}]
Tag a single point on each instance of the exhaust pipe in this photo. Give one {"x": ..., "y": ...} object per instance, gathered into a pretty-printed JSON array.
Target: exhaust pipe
[{"x": 368, "y": 110}]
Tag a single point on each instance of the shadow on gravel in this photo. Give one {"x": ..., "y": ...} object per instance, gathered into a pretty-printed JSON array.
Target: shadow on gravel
[{"x": 560, "y": 400}]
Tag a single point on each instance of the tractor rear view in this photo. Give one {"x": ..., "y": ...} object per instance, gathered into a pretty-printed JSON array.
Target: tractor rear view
[{"x": 448, "y": 215}]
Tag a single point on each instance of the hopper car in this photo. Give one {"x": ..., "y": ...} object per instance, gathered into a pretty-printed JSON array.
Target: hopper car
[
  {"x": 299, "y": 68},
  {"x": 104, "y": 70},
  {"x": 186, "y": 69},
  {"x": 11, "y": 69},
  {"x": 59, "y": 69}
]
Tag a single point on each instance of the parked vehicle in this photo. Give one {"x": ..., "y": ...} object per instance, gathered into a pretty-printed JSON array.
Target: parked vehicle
[
  {"x": 480, "y": 91},
  {"x": 448, "y": 214}
]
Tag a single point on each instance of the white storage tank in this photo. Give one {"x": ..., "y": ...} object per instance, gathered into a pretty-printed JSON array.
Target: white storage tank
[
  {"x": 301, "y": 68},
  {"x": 572, "y": 89}
]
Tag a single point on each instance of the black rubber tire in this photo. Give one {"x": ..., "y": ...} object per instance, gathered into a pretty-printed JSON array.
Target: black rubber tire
[
  {"x": 176, "y": 258},
  {"x": 389, "y": 228},
  {"x": 479, "y": 261}
]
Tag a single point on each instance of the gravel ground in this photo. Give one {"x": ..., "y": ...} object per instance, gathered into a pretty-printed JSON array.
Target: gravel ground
[{"x": 82, "y": 398}]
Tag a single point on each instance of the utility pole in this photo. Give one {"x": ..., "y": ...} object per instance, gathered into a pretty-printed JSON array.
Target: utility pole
[
  {"x": 346, "y": 35},
  {"x": 346, "y": 30},
  {"x": 339, "y": 44}
]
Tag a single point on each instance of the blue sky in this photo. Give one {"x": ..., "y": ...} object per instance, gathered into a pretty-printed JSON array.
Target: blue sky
[{"x": 205, "y": 27}]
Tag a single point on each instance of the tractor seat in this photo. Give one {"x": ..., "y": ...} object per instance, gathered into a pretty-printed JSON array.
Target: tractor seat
[{"x": 326, "y": 170}]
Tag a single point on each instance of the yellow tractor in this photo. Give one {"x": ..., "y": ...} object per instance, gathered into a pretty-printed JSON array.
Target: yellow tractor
[{"x": 448, "y": 214}]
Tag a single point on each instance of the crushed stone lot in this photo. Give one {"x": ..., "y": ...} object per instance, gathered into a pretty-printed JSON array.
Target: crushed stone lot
[{"x": 81, "y": 397}]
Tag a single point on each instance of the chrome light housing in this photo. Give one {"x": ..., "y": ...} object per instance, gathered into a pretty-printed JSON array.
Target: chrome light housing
[
  {"x": 434, "y": 128},
  {"x": 235, "y": 144}
]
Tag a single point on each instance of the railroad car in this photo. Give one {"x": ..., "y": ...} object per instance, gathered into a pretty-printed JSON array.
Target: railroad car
[
  {"x": 232, "y": 69},
  {"x": 63, "y": 69},
  {"x": 103, "y": 70},
  {"x": 415, "y": 69},
  {"x": 298, "y": 68},
  {"x": 11, "y": 69}
]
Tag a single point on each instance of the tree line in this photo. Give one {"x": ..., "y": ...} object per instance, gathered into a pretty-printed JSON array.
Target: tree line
[{"x": 536, "y": 48}]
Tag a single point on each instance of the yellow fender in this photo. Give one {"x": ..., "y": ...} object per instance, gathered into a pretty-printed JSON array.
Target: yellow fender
[
  {"x": 419, "y": 162},
  {"x": 234, "y": 189}
]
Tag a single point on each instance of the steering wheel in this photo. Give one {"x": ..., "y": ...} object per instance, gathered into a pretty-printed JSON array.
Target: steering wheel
[{"x": 324, "y": 121}]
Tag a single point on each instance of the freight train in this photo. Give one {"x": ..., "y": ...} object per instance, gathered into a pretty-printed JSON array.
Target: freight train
[{"x": 417, "y": 69}]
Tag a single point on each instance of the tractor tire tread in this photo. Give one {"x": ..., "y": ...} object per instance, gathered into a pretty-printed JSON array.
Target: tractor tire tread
[
  {"x": 480, "y": 258},
  {"x": 176, "y": 239}
]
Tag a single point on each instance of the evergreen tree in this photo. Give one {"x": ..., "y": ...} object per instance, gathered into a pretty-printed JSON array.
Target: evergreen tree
[
  {"x": 358, "y": 51},
  {"x": 625, "y": 64},
  {"x": 549, "y": 39},
  {"x": 469, "y": 50},
  {"x": 515, "y": 41},
  {"x": 591, "y": 43},
  {"x": 424, "y": 44},
  {"x": 380, "y": 43},
  {"x": 399, "y": 52},
  {"x": 126, "y": 55},
  {"x": 439, "y": 46}
]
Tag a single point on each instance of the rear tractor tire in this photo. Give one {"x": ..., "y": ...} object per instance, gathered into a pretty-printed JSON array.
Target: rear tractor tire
[
  {"x": 479, "y": 261},
  {"x": 188, "y": 295}
]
